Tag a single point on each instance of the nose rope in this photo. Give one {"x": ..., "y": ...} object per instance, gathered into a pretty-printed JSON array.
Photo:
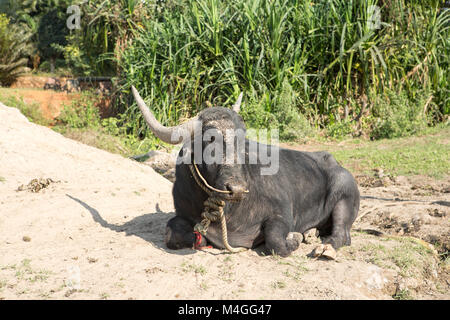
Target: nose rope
[
  {"x": 213, "y": 209},
  {"x": 205, "y": 183}
]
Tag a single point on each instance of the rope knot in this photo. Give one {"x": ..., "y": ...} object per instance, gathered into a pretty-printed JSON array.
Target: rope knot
[{"x": 213, "y": 211}]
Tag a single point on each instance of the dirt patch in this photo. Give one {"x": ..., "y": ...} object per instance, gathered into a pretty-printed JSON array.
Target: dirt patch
[
  {"x": 99, "y": 234},
  {"x": 51, "y": 94},
  {"x": 50, "y": 102},
  {"x": 31, "y": 82},
  {"x": 415, "y": 208},
  {"x": 409, "y": 207}
]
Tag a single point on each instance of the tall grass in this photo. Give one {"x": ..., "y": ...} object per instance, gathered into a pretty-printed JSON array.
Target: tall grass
[{"x": 331, "y": 55}]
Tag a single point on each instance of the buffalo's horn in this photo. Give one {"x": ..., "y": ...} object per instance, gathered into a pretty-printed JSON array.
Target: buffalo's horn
[
  {"x": 172, "y": 135},
  {"x": 237, "y": 105}
]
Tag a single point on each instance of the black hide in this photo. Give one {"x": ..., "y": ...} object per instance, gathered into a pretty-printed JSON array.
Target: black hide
[{"x": 310, "y": 190}]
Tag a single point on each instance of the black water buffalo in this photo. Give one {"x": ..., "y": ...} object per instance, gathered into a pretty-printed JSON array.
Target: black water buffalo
[{"x": 309, "y": 190}]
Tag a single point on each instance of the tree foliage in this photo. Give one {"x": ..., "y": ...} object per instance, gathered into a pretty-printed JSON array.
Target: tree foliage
[
  {"x": 107, "y": 27},
  {"x": 44, "y": 20},
  {"x": 14, "y": 49},
  {"x": 52, "y": 32}
]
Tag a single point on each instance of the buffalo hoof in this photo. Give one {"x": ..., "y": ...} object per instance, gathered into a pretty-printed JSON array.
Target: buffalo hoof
[
  {"x": 295, "y": 236},
  {"x": 324, "y": 250}
]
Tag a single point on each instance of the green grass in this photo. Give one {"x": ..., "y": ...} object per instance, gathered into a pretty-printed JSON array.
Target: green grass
[
  {"x": 293, "y": 60},
  {"x": 278, "y": 284},
  {"x": 424, "y": 155},
  {"x": 25, "y": 272},
  {"x": 406, "y": 255},
  {"x": 98, "y": 137},
  {"x": 192, "y": 267},
  {"x": 104, "y": 296},
  {"x": 81, "y": 121},
  {"x": 3, "y": 284},
  {"x": 11, "y": 91}
]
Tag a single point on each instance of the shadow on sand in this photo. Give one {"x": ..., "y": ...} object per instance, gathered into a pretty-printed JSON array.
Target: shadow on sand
[{"x": 150, "y": 227}]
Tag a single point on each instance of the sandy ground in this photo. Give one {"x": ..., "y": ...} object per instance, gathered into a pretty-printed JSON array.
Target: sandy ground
[{"x": 97, "y": 230}]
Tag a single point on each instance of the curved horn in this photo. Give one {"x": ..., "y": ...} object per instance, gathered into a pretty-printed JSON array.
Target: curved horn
[
  {"x": 237, "y": 105},
  {"x": 172, "y": 135}
]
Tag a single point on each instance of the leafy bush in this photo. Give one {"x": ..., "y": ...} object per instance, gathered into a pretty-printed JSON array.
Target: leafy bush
[
  {"x": 14, "y": 49},
  {"x": 75, "y": 57},
  {"x": 256, "y": 113},
  {"x": 298, "y": 62},
  {"x": 340, "y": 129},
  {"x": 81, "y": 113},
  {"x": 106, "y": 29},
  {"x": 397, "y": 115},
  {"x": 291, "y": 122},
  {"x": 81, "y": 121}
]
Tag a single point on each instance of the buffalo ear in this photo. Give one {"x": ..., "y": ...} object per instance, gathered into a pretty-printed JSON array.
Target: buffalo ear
[{"x": 237, "y": 104}]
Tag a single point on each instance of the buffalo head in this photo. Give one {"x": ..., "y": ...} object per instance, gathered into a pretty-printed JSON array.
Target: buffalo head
[{"x": 214, "y": 140}]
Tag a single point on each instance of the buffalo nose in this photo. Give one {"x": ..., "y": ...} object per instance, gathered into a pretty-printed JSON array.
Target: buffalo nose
[{"x": 235, "y": 188}]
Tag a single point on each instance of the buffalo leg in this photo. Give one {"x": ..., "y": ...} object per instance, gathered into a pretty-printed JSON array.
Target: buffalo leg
[
  {"x": 342, "y": 218},
  {"x": 179, "y": 234},
  {"x": 278, "y": 239}
]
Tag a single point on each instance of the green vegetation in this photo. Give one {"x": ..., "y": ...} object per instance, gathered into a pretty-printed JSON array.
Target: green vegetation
[
  {"x": 397, "y": 116},
  {"x": 81, "y": 121},
  {"x": 106, "y": 29},
  {"x": 328, "y": 68},
  {"x": 51, "y": 34},
  {"x": 341, "y": 69},
  {"x": 25, "y": 272},
  {"x": 426, "y": 155},
  {"x": 279, "y": 284},
  {"x": 192, "y": 267},
  {"x": 40, "y": 25},
  {"x": 295, "y": 267},
  {"x": 14, "y": 48},
  {"x": 403, "y": 294},
  {"x": 366, "y": 67},
  {"x": 404, "y": 254}
]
